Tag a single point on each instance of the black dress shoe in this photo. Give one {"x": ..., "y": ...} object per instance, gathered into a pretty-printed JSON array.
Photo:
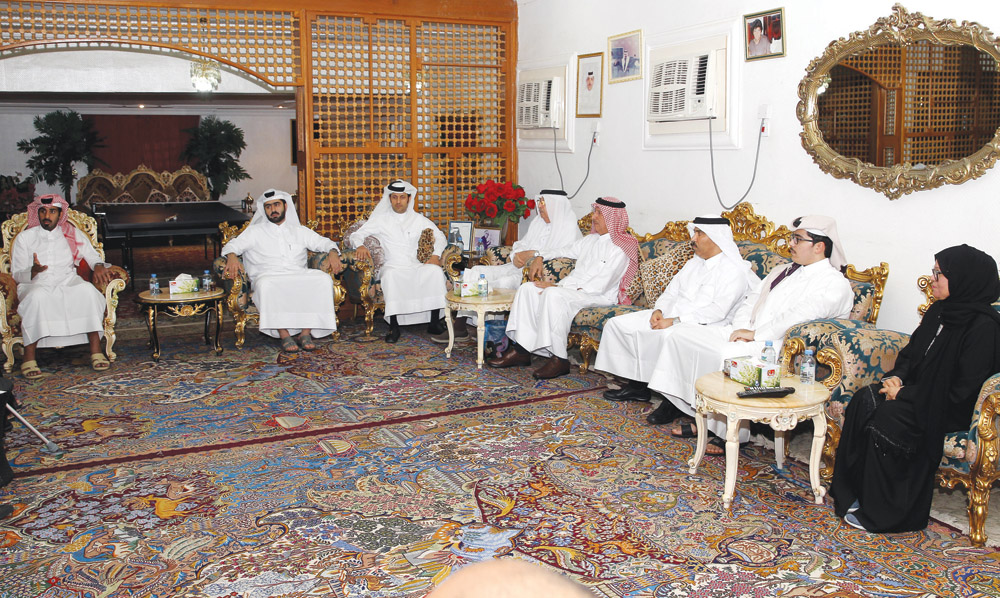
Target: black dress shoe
[
  {"x": 393, "y": 335},
  {"x": 553, "y": 368},
  {"x": 628, "y": 393},
  {"x": 509, "y": 359},
  {"x": 664, "y": 414},
  {"x": 437, "y": 327}
]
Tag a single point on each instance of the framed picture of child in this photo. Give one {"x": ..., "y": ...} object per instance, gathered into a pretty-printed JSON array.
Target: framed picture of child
[{"x": 485, "y": 238}]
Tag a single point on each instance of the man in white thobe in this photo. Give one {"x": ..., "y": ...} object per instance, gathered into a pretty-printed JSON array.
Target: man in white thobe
[
  {"x": 706, "y": 291},
  {"x": 414, "y": 292},
  {"x": 292, "y": 298},
  {"x": 542, "y": 311},
  {"x": 57, "y": 307},
  {"x": 811, "y": 287},
  {"x": 553, "y": 228}
]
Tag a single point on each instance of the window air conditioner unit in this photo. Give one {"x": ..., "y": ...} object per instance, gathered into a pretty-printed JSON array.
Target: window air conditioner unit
[
  {"x": 538, "y": 104},
  {"x": 682, "y": 89}
]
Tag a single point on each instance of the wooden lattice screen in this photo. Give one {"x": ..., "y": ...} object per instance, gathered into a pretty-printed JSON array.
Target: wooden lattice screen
[
  {"x": 388, "y": 95},
  {"x": 925, "y": 103},
  {"x": 405, "y": 98}
]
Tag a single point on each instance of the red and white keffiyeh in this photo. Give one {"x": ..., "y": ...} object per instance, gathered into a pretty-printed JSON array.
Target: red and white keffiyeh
[
  {"x": 616, "y": 219},
  {"x": 67, "y": 228}
]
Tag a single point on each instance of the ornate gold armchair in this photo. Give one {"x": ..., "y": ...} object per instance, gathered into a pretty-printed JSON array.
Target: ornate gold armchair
[
  {"x": 10, "y": 321},
  {"x": 239, "y": 295},
  {"x": 361, "y": 276},
  {"x": 857, "y": 357}
]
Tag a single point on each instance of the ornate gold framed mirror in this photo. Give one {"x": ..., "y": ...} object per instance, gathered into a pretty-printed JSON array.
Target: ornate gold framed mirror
[{"x": 909, "y": 104}]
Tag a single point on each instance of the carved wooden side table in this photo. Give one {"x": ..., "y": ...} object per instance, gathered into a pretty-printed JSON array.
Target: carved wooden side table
[
  {"x": 183, "y": 305},
  {"x": 716, "y": 393},
  {"x": 497, "y": 301}
]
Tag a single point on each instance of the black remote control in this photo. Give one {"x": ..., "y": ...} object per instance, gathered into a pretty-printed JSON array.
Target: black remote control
[{"x": 757, "y": 392}]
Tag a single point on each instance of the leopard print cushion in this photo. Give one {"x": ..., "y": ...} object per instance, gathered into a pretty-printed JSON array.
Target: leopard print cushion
[
  {"x": 657, "y": 273},
  {"x": 425, "y": 246}
]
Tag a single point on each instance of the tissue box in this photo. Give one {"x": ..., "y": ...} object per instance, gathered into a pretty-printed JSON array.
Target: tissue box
[
  {"x": 750, "y": 371},
  {"x": 743, "y": 370},
  {"x": 183, "y": 286},
  {"x": 469, "y": 289}
]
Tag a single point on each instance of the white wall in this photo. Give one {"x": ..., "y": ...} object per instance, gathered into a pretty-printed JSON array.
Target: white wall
[
  {"x": 267, "y": 157},
  {"x": 661, "y": 185}
]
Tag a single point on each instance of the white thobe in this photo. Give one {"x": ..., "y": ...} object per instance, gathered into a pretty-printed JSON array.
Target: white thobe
[
  {"x": 703, "y": 292},
  {"x": 411, "y": 289},
  {"x": 57, "y": 307},
  {"x": 288, "y": 294},
  {"x": 815, "y": 291},
  {"x": 540, "y": 319}
]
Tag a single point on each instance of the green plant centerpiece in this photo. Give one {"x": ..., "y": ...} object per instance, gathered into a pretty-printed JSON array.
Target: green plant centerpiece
[
  {"x": 64, "y": 138},
  {"x": 214, "y": 150}
]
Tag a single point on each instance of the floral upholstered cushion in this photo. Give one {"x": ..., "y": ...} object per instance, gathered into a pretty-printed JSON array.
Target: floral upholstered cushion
[
  {"x": 657, "y": 273},
  {"x": 591, "y": 320},
  {"x": 650, "y": 250},
  {"x": 761, "y": 259},
  {"x": 557, "y": 269},
  {"x": 498, "y": 255},
  {"x": 864, "y": 301},
  {"x": 373, "y": 245}
]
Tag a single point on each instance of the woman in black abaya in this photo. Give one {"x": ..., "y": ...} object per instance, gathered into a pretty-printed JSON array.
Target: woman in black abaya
[{"x": 893, "y": 434}]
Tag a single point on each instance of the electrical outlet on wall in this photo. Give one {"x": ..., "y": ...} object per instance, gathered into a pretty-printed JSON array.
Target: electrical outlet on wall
[{"x": 595, "y": 136}]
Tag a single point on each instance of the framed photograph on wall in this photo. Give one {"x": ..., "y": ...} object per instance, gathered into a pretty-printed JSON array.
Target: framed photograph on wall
[
  {"x": 463, "y": 230},
  {"x": 765, "y": 34},
  {"x": 589, "y": 78},
  {"x": 489, "y": 236},
  {"x": 624, "y": 57}
]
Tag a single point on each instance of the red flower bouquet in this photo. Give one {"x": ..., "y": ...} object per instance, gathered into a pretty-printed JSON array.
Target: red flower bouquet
[{"x": 499, "y": 202}]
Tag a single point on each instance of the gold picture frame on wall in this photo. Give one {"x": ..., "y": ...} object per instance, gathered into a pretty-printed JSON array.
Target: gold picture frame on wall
[
  {"x": 906, "y": 30},
  {"x": 589, "y": 85},
  {"x": 625, "y": 57}
]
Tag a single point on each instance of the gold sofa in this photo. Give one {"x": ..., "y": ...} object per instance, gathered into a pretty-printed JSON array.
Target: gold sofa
[
  {"x": 239, "y": 295},
  {"x": 661, "y": 255},
  {"x": 10, "y": 321},
  {"x": 857, "y": 357},
  {"x": 141, "y": 185}
]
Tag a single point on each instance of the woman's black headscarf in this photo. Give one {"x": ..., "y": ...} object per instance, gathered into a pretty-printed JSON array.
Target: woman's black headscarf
[{"x": 973, "y": 285}]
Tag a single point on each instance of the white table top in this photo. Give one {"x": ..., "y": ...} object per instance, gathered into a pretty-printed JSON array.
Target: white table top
[
  {"x": 496, "y": 297},
  {"x": 719, "y": 387}
]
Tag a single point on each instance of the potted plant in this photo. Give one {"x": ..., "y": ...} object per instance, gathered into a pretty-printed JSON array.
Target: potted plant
[
  {"x": 214, "y": 150},
  {"x": 64, "y": 138}
]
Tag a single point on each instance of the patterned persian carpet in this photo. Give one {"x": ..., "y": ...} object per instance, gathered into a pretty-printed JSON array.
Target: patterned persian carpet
[{"x": 367, "y": 469}]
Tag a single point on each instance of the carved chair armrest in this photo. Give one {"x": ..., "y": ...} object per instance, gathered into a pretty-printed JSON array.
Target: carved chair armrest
[
  {"x": 117, "y": 273},
  {"x": 358, "y": 275},
  {"x": 450, "y": 259},
  {"x": 237, "y": 290},
  {"x": 984, "y": 433},
  {"x": 815, "y": 335},
  {"x": 9, "y": 319}
]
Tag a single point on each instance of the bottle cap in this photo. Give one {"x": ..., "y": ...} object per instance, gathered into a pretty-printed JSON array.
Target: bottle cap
[
  {"x": 152, "y": 275},
  {"x": 809, "y": 351},
  {"x": 767, "y": 343}
]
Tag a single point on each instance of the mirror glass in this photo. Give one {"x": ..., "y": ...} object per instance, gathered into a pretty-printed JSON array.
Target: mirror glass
[{"x": 922, "y": 104}]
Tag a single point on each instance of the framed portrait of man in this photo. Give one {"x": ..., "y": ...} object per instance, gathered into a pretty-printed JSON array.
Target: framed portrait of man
[
  {"x": 765, "y": 34},
  {"x": 624, "y": 57},
  {"x": 460, "y": 232},
  {"x": 589, "y": 75}
]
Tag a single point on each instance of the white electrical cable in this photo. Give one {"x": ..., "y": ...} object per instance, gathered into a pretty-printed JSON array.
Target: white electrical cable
[
  {"x": 756, "y": 160},
  {"x": 555, "y": 156}
]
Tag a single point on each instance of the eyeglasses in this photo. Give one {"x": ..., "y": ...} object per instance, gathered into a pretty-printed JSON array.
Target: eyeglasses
[
  {"x": 796, "y": 239},
  {"x": 936, "y": 273}
]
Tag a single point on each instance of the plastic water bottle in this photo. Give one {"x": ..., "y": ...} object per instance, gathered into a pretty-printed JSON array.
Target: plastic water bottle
[
  {"x": 807, "y": 368},
  {"x": 207, "y": 283},
  {"x": 483, "y": 286},
  {"x": 154, "y": 285},
  {"x": 767, "y": 355}
]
